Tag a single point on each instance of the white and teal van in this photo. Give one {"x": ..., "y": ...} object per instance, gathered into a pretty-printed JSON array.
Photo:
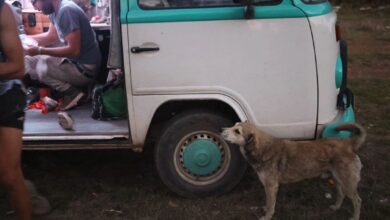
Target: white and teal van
[{"x": 194, "y": 66}]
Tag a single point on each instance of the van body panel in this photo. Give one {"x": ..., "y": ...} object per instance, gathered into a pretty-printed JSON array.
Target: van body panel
[
  {"x": 128, "y": 83},
  {"x": 327, "y": 53},
  {"x": 120, "y": 143},
  {"x": 268, "y": 63},
  {"x": 124, "y": 9},
  {"x": 147, "y": 105},
  {"x": 314, "y": 9},
  {"x": 282, "y": 9}
]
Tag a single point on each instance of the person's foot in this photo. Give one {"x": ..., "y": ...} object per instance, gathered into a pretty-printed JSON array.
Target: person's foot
[
  {"x": 32, "y": 95},
  {"x": 40, "y": 205},
  {"x": 65, "y": 120},
  {"x": 71, "y": 99},
  {"x": 50, "y": 103}
]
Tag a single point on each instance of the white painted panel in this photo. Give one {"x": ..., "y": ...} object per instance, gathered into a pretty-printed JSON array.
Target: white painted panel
[
  {"x": 267, "y": 66},
  {"x": 128, "y": 83},
  {"x": 147, "y": 105},
  {"x": 327, "y": 50}
]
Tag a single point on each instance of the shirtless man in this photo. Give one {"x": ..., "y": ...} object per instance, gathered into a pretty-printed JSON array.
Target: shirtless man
[{"x": 13, "y": 102}]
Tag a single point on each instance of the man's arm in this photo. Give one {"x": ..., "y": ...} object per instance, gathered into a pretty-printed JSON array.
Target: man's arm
[
  {"x": 46, "y": 38},
  {"x": 71, "y": 49},
  {"x": 13, "y": 67}
]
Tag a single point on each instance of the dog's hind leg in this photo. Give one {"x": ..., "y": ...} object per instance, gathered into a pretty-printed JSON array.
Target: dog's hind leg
[
  {"x": 349, "y": 179},
  {"x": 350, "y": 190},
  {"x": 340, "y": 193},
  {"x": 357, "y": 203},
  {"x": 339, "y": 199}
]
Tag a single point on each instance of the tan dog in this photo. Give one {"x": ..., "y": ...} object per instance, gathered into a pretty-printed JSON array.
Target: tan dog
[{"x": 281, "y": 161}]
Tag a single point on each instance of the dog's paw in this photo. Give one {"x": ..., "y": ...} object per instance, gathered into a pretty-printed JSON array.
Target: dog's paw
[{"x": 334, "y": 207}]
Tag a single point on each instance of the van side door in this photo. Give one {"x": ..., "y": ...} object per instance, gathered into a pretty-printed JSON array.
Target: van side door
[{"x": 267, "y": 63}]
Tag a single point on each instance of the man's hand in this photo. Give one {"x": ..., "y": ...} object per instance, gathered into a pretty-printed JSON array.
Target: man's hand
[
  {"x": 71, "y": 49},
  {"x": 31, "y": 51},
  {"x": 46, "y": 38}
]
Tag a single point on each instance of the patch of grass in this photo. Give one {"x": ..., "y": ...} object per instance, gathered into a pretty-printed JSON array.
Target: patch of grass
[
  {"x": 382, "y": 56},
  {"x": 383, "y": 37},
  {"x": 374, "y": 22},
  {"x": 361, "y": 59},
  {"x": 373, "y": 105},
  {"x": 369, "y": 59},
  {"x": 364, "y": 28}
]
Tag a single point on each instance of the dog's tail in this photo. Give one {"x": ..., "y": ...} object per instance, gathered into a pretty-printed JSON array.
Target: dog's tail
[{"x": 359, "y": 134}]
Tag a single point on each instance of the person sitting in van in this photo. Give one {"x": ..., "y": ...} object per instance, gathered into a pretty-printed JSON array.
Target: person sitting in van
[{"x": 72, "y": 66}]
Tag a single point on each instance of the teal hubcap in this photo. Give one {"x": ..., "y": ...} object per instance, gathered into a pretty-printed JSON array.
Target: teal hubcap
[{"x": 202, "y": 157}]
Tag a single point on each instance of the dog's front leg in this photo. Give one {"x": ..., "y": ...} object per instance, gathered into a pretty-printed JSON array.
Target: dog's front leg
[{"x": 271, "y": 190}]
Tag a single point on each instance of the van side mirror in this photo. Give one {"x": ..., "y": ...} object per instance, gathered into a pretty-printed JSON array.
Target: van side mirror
[{"x": 249, "y": 9}]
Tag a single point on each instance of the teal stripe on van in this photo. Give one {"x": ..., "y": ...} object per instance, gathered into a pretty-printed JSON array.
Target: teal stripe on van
[
  {"x": 124, "y": 6},
  {"x": 285, "y": 9},
  {"x": 312, "y": 10}
]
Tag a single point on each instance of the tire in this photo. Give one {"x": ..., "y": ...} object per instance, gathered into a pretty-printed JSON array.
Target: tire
[{"x": 193, "y": 160}]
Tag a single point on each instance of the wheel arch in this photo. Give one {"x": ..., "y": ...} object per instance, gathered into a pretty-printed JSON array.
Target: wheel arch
[{"x": 169, "y": 109}]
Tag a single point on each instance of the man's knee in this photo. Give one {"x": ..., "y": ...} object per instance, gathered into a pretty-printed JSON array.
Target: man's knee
[
  {"x": 38, "y": 65},
  {"x": 49, "y": 67},
  {"x": 30, "y": 63},
  {"x": 9, "y": 177}
]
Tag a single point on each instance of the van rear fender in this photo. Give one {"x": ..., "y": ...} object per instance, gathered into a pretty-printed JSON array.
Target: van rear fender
[{"x": 152, "y": 112}]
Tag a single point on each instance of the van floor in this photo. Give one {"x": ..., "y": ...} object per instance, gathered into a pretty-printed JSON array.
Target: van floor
[{"x": 40, "y": 126}]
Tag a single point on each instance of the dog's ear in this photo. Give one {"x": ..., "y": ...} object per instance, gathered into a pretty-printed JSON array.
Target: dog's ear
[{"x": 250, "y": 138}]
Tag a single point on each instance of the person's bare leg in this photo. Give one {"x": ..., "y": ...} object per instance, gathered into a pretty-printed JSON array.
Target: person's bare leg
[{"x": 11, "y": 175}]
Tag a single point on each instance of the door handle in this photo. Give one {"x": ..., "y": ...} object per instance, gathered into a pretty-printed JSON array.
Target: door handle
[{"x": 144, "y": 49}]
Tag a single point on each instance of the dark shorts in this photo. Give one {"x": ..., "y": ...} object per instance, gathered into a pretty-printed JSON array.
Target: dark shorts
[{"x": 12, "y": 105}]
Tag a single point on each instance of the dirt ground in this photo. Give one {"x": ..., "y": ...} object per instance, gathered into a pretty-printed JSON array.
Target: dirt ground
[{"x": 124, "y": 185}]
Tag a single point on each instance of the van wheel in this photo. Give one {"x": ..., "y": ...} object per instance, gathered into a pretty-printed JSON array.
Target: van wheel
[{"x": 193, "y": 160}]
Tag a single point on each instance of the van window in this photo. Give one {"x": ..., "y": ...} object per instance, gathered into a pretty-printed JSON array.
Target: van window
[{"x": 172, "y": 4}]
